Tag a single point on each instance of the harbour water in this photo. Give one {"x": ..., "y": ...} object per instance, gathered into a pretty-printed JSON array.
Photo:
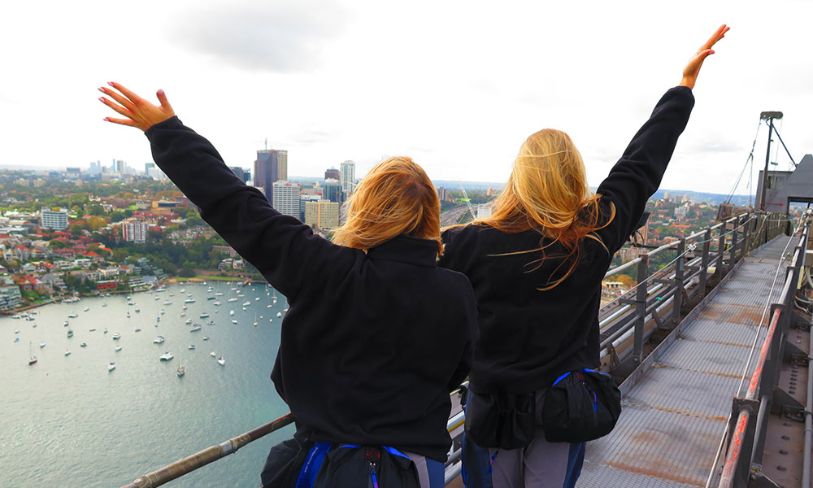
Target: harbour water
[{"x": 67, "y": 421}]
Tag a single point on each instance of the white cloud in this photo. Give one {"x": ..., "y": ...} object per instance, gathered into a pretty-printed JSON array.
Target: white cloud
[{"x": 260, "y": 36}]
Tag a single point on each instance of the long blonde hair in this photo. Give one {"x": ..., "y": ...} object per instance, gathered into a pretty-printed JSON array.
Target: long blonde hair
[
  {"x": 396, "y": 197},
  {"x": 547, "y": 191}
]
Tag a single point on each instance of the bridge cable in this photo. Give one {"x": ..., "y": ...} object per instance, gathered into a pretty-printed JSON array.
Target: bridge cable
[
  {"x": 784, "y": 146},
  {"x": 748, "y": 161}
]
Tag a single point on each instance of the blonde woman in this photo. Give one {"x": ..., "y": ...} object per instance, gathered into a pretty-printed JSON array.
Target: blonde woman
[
  {"x": 376, "y": 335},
  {"x": 536, "y": 265}
]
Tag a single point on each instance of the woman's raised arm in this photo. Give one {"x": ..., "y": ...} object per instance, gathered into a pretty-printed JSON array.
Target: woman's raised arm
[
  {"x": 283, "y": 249},
  {"x": 637, "y": 175}
]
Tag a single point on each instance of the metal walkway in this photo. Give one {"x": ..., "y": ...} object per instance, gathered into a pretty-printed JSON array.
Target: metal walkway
[{"x": 675, "y": 413}]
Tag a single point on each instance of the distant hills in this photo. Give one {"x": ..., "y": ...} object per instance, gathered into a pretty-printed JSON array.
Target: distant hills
[{"x": 695, "y": 196}]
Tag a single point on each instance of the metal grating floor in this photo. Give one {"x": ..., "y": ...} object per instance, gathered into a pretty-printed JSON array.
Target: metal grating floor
[{"x": 674, "y": 417}]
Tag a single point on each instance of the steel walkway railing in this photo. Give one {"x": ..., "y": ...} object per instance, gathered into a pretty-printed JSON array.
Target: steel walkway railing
[{"x": 746, "y": 435}]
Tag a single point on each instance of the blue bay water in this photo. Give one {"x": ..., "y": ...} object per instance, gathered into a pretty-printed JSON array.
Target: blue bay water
[{"x": 67, "y": 421}]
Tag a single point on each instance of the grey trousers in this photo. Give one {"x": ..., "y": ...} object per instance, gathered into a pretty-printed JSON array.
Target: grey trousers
[{"x": 541, "y": 464}]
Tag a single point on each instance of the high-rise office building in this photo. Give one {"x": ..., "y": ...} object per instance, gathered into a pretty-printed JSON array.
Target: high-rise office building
[
  {"x": 348, "y": 177},
  {"x": 443, "y": 194},
  {"x": 271, "y": 165},
  {"x": 304, "y": 198},
  {"x": 54, "y": 219},
  {"x": 241, "y": 173},
  {"x": 134, "y": 231},
  {"x": 332, "y": 190},
  {"x": 95, "y": 168},
  {"x": 119, "y": 166},
  {"x": 332, "y": 174},
  {"x": 286, "y": 198},
  {"x": 322, "y": 214}
]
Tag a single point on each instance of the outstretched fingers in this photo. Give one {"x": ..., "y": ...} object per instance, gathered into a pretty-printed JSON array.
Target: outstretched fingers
[
  {"x": 127, "y": 122},
  {"x": 118, "y": 108},
  {"x": 135, "y": 99},
  {"x": 123, "y": 101},
  {"x": 719, "y": 34}
]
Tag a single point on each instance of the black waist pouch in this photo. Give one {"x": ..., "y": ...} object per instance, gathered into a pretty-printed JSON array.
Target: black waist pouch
[
  {"x": 284, "y": 462},
  {"x": 581, "y": 406},
  {"x": 366, "y": 466},
  {"x": 501, "y": 420}
]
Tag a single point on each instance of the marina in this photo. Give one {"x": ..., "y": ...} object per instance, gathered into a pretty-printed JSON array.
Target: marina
[{"x": 139, "y": 396}]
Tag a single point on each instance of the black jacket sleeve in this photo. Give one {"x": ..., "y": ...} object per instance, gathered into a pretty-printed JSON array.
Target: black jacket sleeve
[
  {"x": 637, "y": 175},
  {"x": 282, "y": 248}
]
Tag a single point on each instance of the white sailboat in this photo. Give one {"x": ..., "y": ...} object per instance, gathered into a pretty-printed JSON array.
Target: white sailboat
[{"x": 31, "y": 358}]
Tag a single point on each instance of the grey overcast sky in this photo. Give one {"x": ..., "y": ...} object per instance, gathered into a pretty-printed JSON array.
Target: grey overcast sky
[{"x": 457, "y": 85}]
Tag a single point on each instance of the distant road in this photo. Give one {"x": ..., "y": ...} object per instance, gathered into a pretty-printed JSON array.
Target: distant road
[{"x": 451, "y": 216}]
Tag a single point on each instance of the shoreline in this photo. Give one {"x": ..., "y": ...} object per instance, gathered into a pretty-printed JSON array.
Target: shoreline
[{"x": 175, "y": 280}]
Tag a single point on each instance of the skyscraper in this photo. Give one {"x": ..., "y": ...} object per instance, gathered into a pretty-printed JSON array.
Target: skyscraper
[
  {"x": 332, "y": 190},
  {"x": 95, "y": 168},
  {"x": 322, "y": 214},
  {"x": 332, "y": 174},
  {"x": 241, "y": 173},
  {"x": 119, "y": 166},
  {"x": 286, "y": 198},
  {"x": 54, "y": 219},
  {"x": 134, "y": 231},
  {"x": 271, "y": 165},
  {"x": 348, "y": 177}
]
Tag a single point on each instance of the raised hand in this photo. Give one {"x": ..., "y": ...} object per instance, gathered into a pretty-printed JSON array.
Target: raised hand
[
  {"x": 137, "y": 111},
  {"x": 693, "y": 68}
]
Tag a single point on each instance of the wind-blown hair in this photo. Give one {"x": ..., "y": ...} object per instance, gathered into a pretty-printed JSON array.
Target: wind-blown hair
[
  {"x": 396, "y": 197},
  {"x": 547, "y": 191}
]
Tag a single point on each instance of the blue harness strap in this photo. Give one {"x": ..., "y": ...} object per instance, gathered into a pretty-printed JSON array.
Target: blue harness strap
[
  {"x": 313, "y": 463},
  {"x": 316, "y": 458}
]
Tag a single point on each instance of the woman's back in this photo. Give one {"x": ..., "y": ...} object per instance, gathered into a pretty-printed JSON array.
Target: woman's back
[
  {"x": 538, "y": 299},
  {"x": 372, "y": 342},
  {"x": 369, "y": 346},
  {"x": 527, "y": 337}
]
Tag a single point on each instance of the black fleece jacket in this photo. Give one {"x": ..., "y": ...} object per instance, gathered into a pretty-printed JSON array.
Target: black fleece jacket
[
  {"x": 529, "y": 337},
  {"x": 372, "y": 342}
]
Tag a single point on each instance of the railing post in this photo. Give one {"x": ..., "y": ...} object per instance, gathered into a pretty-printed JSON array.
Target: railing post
[
  {"x": 734, "y": 236},
  {"x": 721, "y": 249},
  {"x": 640, "y": 309},
  {"x": 677, "y": 302},
  {"x": 704, "y": 262},
  {"x": 746, "y": 229},
  {"x": 767, "y": 229}
]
